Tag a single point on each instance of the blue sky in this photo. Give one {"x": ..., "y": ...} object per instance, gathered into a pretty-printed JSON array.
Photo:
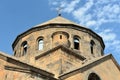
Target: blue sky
[{"x": 102, "y": 16}]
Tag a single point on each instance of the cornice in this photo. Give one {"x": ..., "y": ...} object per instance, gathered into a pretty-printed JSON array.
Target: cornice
[{"x": 72, "y": 26}]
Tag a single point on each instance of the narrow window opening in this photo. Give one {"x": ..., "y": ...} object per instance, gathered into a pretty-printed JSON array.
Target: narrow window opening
[
  {"x": 40, "y": 44},
  {"x": 92, "y": 46},
  {"x": 60, "y": 36},
  {"x": 76, "y": 43},
  {"x": 25, "y": 46}
]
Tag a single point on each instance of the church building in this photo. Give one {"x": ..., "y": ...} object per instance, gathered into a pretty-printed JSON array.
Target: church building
[{"x": 58, "y": 49}]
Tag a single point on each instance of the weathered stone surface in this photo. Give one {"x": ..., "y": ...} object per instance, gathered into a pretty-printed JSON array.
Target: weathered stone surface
[
  {"x": 70, "y": 52},
  {"x": 106, "y": 69}
]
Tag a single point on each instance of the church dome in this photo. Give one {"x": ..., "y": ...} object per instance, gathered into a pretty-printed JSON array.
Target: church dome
[{"x": 55, "y": 32}]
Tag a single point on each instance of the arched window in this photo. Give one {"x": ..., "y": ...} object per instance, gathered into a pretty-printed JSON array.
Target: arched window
[
  {"x": 40, "y": 44},
  {"x": 25, "y": 47},
  {"x": 76, "y": 43},
  {"x": 92, "y": 43},
  {"x": 93, "y": 76}
]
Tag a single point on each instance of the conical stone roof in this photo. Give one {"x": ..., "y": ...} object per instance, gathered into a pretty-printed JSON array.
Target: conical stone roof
[{"x": 57, "y": 20}]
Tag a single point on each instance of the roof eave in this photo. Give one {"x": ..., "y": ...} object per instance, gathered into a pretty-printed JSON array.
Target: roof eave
[
  {"x": 85, "y": 66},
  {"x": 43, "y": 26},
  {"x": 10, "y": 59}
]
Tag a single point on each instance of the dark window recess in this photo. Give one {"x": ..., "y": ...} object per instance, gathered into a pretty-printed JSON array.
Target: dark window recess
[
  {"x": 76, "y": 43},
  {"x": 92, "y": 46},
  {"x": 93, "y": 76},
  {"x": 60, "y": 36},
  {"x": 91, "y": 49},
  {"x": 24, "y": 50},
  {"x": 25, "y": 46}
]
